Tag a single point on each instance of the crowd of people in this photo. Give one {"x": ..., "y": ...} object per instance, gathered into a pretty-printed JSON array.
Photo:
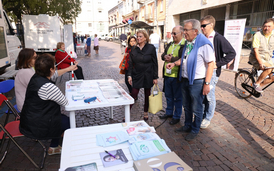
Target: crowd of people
[{"x": 192, "y": 66}]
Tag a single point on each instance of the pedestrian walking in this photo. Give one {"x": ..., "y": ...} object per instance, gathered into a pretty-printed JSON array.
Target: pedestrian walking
[
  {"x": 155, "y": 39},
  {"x": 96, "y": 44},
  {"x": 88, "y": 45}
]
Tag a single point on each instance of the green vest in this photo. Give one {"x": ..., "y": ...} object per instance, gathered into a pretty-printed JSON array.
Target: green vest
[{"x": 175, "y": 49}]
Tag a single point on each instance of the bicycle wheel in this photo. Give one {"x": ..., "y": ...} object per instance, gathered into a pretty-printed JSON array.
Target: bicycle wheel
[{"x": 243, "y": 77}]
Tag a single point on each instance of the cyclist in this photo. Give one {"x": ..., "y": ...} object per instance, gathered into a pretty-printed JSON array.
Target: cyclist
[{"x": 261, "y": 53}]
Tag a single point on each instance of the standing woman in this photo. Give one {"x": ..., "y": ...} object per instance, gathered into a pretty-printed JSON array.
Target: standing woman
[
  {"x": 96, "y": 44},
  {"x": 143, "y": 68},
  {"x": 125, "y": 63}
]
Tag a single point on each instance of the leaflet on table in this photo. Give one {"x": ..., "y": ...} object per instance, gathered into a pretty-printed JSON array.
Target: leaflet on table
[
  {"x": 111, "y": 138},
  {"x": 113, "y": 95},
  {"x": 140, "y": 130},
  {"x": 142, "y": 137},
  {"x": 83, "y": 87},
  {"x": 86, "y": 167},
  {"x": 113, "y": 158},
  {"x": 146, "y": 149},
  {"x": 138, "y": 124},
  {"x": 99, "y": 98}
]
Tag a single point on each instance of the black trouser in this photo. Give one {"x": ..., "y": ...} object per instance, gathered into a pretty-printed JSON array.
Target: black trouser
[
  {"x": 79, "y": 72},
  {"x": 127, "y": 83}
]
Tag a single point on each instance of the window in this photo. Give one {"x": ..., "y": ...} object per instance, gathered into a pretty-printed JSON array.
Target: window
[
  {"x": 88, "y": 2},
  {"x": 89, "y": 24},
  {"x": 161, "y": 5},
  {"x": 3, "y": 47}
]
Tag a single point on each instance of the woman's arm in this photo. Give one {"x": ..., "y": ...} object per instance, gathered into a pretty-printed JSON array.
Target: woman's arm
[{"x": 50, "y": 92}]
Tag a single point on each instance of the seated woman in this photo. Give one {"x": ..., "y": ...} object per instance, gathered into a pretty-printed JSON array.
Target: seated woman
[
  {"x": 63, "y": 60},
  {"x": 41, "y": 116},
  {"x": 26, "y": 60}
]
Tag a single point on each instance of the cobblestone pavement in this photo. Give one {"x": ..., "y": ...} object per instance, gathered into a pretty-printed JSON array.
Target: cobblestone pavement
[{"x": 240, "y": 136}]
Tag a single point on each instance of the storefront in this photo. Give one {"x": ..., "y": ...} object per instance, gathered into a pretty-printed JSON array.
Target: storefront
[{"x": 255, "y": 11}]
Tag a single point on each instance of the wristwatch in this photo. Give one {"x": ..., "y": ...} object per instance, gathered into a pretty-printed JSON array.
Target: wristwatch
[{"x": 207, "y": 83}]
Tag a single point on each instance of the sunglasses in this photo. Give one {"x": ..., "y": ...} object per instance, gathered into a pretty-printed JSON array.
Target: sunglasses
[
  {"x": 204, "y": 25},
  {"x": 174, "y": 33}
]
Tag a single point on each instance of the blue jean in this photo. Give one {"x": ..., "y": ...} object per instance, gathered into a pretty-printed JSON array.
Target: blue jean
[
  {"x": 157, "y": 48},
  {"x": 193, "y": 103},
  {"x": 210, "y": 101},
  {"x": 173, "y": 94}
]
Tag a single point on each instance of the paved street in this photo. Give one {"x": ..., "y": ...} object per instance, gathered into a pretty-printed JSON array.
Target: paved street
[{"x": 240, "y": 137}]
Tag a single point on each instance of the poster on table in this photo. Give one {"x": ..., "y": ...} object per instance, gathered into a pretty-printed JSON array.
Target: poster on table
[{"x": 234, "y": 33}]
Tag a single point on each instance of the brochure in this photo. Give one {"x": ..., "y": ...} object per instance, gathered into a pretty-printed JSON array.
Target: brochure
[
  {"x": 87, "y": 167},
  {"x": 113, "y": 158},
  {"x": 111, "y": 138}
]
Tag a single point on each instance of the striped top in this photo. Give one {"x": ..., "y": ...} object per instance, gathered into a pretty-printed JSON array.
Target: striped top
[{"x": 50, "y": 92}]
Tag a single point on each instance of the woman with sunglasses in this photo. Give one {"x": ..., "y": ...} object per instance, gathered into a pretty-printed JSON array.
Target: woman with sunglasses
[
  {"x": 143, "y": 68},
  {"x": 41, "y": 116},
  {"x": 25, "y": 64}
]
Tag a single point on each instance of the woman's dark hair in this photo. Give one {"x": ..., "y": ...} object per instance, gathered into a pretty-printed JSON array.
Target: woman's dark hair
[
  {"x": 43, "y": 64},
  {"x": 128, "y": 42},
  {"x": 24, "y": 58}
]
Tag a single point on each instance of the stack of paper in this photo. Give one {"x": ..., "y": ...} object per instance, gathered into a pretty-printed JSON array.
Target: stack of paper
[
  {"x": 142, "y": 137},
  {"x": 111, "y": 138},
  {"x": 146, "y": 149}
]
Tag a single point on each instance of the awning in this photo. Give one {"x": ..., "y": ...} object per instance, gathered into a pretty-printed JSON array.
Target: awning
[
  {"x": 123, "y": 25},
  {"x": 140, "y": 24}
]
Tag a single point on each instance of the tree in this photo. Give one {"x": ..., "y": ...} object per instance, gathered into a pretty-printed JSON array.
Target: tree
[{"x": 68, "y": 10}]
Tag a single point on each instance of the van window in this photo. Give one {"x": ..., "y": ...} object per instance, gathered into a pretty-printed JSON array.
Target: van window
[{"x": 3, "y": 47}]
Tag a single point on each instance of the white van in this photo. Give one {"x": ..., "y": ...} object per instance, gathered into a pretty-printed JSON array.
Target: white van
[
  {"x": 42, "y": 32},
  {"x": 10, "y": 45}
]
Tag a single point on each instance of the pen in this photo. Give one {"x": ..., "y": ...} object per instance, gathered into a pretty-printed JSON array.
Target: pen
[{"x": 110, "y": 154}]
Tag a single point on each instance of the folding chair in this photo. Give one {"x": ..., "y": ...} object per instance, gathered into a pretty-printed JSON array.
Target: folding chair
[
  {"x": 11, "y": 131},
  {"x": 6, "y": 86}
]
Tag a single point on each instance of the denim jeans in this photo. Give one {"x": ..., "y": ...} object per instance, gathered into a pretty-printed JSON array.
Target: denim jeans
[
  {"x": 173, "y": 94},
  {"x": 157, "y": 48},
  {"x": 210, "y": 101},
  {"x": 193, "y": 103}
]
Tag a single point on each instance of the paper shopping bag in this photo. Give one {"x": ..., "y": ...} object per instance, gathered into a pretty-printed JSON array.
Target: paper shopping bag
[{"x": 155, "y": 101}]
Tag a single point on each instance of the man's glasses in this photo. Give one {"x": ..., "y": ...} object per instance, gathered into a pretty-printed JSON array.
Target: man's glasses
[
  {"x": 174, "y": 33},
  {"x": 204, "y": 25}
]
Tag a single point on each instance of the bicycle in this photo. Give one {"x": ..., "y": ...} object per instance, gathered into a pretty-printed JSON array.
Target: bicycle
[{"x": 244, "y": 81}]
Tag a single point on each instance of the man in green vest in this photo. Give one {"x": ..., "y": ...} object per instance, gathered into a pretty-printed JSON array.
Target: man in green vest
[
  {"x": 261, "y": 53},
  {"x": 172, "y": 86}
]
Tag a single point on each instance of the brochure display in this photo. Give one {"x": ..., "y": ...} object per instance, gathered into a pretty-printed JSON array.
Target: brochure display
[
  {"x": 88, "y": 94},
  {"x": 166, "y": 162},
  {"x": 113, "y": 158}
]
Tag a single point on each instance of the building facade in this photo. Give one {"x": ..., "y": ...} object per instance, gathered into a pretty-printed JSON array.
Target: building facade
[
  {"x": 93, "y": 18},
  {"x": 255, "y": 11}
]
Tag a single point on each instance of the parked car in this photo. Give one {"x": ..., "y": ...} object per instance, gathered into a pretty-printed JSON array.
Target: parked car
[{"x": 109, "y": 38}]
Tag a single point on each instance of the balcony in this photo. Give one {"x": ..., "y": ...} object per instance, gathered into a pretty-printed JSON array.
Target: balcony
[
  {"x": 148, "y": 17},
  {"x": 140, "y": 1}
]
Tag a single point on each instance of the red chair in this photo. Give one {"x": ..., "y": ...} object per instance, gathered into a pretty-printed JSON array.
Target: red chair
[{"x": 10, "y": 131}]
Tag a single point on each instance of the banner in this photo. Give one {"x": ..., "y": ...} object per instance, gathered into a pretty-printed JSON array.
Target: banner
[{"x": 234, "y": 33}]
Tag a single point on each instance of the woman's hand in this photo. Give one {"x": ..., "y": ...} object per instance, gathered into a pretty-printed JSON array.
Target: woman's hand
[
  {"x": 75, "y": 62},
  {"x": 155, "y": 81},
  {"x": 130, "y": 80},
  {"x": 72, "y": 68}
]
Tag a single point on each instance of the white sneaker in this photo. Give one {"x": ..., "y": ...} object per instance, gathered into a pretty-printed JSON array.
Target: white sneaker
[{"x": 205, "y": 123}]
